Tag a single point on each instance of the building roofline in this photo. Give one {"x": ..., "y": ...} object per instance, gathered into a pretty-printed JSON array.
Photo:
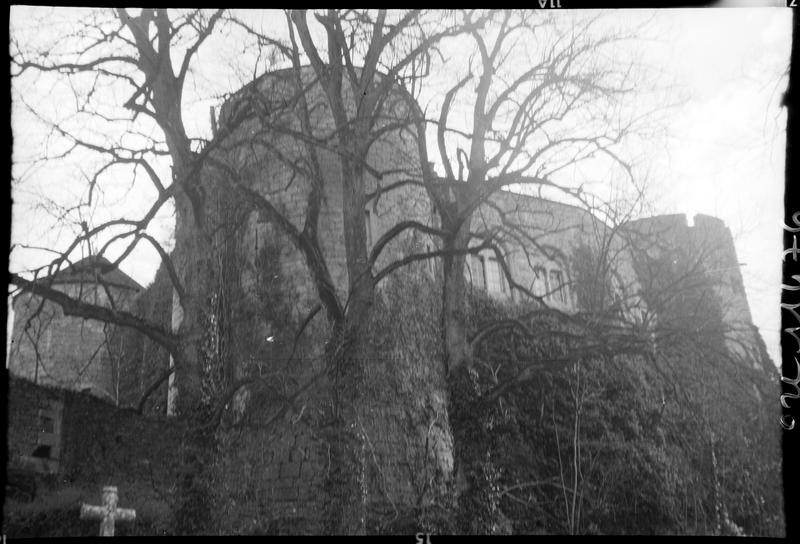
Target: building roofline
[
  {"x": 632, "y": 223},
  {"x": 80, "y": 272}
]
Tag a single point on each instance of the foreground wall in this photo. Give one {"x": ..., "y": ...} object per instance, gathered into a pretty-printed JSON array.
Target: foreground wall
[{"x": 91, "y": 444}]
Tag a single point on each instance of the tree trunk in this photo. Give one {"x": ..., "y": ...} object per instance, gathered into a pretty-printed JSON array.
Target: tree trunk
[
  {"x": 194, "y": 260},
  {"x": 346, "y": 482},
  {"x": 454, "y": 311},
  {"x": 361, "y": 288},
  {"x": 346, "y": 485},
  {"x": 454, "y": 337}
]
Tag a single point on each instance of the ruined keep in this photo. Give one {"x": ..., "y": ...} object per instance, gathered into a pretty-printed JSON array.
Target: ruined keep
[
  {"x": 403, "y": 414},
  {"x": 274, "y": 457}
]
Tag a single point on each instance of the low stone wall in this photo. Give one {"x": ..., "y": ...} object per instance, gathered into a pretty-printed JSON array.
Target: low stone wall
[{"x": 92, "y": 444}]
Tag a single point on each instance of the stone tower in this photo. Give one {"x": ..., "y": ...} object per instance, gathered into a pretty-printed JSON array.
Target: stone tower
[
  {"x": 402, "y": 418},
  {"x": 705, "y": 256}
]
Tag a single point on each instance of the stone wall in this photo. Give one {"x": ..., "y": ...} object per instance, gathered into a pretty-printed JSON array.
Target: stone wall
[
  {"x": 67, "y": 351},
  {"x": 707, "y": 253},
  {"x": 271, "y": 161},
  {"x": 144, "y": 361},
  {"x": 723, "y": 270},
  {"x": 274, "y": 458},
  {"x": 98, "y": 445},
  {"x": 271, "y": 480},
  {"x": 273, "y": 477},
  {"x": 272, "y": 473},
  {"x": 275, "y": 164},
  {"x": 28, "y": 408},
  {"x": 547, "y": 236}
]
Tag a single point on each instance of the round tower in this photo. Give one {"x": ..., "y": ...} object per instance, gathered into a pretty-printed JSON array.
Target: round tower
[{"x": 266, "y": 146}]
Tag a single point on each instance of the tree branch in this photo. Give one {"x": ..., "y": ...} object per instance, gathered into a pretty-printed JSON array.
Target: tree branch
[{"x": 71, "y": 306}]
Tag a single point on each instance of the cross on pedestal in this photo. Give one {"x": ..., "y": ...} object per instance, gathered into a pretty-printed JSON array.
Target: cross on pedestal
[{"x": 108, "y": 513}]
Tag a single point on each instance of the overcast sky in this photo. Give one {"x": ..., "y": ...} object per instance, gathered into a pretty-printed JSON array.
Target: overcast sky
[{"x": 724, "y": 155}]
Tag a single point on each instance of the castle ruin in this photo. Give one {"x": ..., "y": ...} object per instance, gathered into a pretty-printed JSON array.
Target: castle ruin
[{"x": 278, "y": 472}]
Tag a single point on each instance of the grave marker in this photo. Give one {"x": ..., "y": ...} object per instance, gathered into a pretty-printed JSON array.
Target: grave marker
[{"x": 108, "y": 513}]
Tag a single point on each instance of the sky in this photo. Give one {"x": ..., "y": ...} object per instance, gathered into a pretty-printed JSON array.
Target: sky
[
  {"x": 726, "y": 154},
  {"x": 722, "y": 153}
]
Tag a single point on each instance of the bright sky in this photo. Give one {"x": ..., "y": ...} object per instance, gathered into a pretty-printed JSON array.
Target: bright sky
[{"x": 724, "y": 155}]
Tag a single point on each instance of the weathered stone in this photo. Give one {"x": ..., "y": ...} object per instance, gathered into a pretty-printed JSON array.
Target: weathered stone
[{"x": 108, "y": 513}]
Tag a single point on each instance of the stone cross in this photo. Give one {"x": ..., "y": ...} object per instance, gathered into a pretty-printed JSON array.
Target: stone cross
[{"x": 107, "y": 513}]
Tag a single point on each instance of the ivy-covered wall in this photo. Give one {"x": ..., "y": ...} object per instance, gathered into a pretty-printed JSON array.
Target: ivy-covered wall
[
  {"x": 275, "y": 452},
  {"x": 274, "y": 456},
  {"x": 614, "y": 445}
]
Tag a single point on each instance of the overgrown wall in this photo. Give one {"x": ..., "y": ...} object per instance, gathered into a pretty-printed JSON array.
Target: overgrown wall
[
  {"x": 275, "y": 458},
  {"x": 99, "y": 445}
]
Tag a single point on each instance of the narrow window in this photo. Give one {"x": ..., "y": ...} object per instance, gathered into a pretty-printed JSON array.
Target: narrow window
[
  {"x": 495, "y": 279},
  {"x": 478, "y": 269},
  {"x": 540, "y": 286},
  {"x": 43, "y": 452},
  {"x": 616, "y": 293},
  {"x": 557, "y": 282},
  {"x": 46, "y": 424},
  {"x": 368, "y": 225}
]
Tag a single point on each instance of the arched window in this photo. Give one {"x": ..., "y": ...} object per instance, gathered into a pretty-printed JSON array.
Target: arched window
[
  {"x": 486, "y": 273},
  {"x": 495, "y": 277},
  {"x": 558, "y": 286},
  {"x": 368, "y": 225},
  {"x": 540, "y": 284},
  {"x": 477, "y": 270},
  {"x": 617, "y": 293}
]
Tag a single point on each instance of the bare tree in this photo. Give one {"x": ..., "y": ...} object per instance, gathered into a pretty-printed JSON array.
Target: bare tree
[
  {"x": 521, "y": 131},
  {"x": 537, "y": 114},
  {"x": 150, "y": 55}
]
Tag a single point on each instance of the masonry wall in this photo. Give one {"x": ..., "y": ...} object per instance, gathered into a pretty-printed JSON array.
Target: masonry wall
[
  {"x": 723, "y": 271},
  {"x": 277, "y": 165},
  {"x": 99, "y": 445},
  {"x": 272, "y": 477},
  {"x": 144, "y": 361},
  {"x": 272, "y": 474},
  {"x": 709, "y": 245},
  {"x": 552, "y": 236},
  {"x": 27, "y": 404},
  {"x": 275, "y": 458}
]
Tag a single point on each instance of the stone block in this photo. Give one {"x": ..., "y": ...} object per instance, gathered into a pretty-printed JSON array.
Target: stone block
[
  {"x": 309, "y": 470},
  {"x": 290, "y": 469}
]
